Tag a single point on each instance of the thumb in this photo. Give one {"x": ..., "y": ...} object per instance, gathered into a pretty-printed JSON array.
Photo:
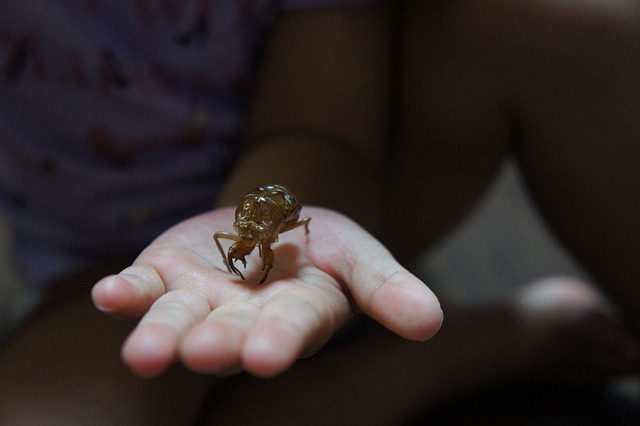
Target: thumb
[{"x": 381, "y": 287}]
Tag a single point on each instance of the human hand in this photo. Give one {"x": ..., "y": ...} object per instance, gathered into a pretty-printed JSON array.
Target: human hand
[{"x": 195, "y": 311}]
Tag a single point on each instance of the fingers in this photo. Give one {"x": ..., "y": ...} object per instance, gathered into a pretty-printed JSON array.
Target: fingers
[
  {"x": 219, "y": 335},
  {"x": 129, "y": 294},
  {"x": 263, "y": 340},
  {"x": 168, "y": 315},
  {"x": 153, "y": 345},
  {"x": 214, "y": 346},
  {"x": 288, "y": 327},
  {"x": 264, "y": 337}
]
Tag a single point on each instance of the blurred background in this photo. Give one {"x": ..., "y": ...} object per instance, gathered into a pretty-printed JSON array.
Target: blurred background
[{"x": 501, "y": 246}]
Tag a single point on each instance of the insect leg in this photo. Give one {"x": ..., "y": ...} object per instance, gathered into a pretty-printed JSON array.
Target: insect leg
[
  {"x": 302, "y": 222},
  {"x": 231, "y": 263},
  {"x": 267, "y": 263},
  {"x": 238, "y": 252},
  {"x": 227, "y": 236}
]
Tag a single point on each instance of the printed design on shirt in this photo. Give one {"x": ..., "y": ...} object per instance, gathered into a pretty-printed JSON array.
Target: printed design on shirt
[
  {"x": 119, "y": 150},
  {"x": 16, "y": 60},
  {"x": 110, "y": 69},
  {"x": 108, "y": 73},
  {"x": 26, "y": 59},
  {"x": 201, "y": 30}
]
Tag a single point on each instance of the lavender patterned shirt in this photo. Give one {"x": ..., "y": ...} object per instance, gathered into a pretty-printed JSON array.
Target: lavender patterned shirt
[{"x": 119, "y": 118}]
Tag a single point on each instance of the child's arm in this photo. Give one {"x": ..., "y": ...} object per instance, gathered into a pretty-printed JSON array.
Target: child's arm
[{"x": 320, "y": 117}]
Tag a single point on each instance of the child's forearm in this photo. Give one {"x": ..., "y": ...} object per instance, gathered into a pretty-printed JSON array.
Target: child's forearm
[
  {"x": 319, "y": 171},
  {"x": 319, "y": 120}
]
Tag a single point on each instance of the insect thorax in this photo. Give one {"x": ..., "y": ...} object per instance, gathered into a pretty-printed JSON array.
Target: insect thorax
[
  {"x": 262, "y": 210},
  {"x": 250, "y": 231}
]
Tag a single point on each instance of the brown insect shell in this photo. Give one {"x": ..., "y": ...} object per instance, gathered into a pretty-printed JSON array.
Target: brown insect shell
[
  {"x": 259, "y": 217},
  {"x": 251, "y": 233}
]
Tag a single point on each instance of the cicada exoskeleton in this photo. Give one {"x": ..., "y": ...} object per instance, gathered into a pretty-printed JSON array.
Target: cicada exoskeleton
[{"x": 261, "y": 215}]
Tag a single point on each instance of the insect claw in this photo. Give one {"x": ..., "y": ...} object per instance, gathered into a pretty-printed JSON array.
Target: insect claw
[
  {"x": 266, "y": 268},
  {"x": 238, "y": 273},
  {"x": 232, "y": 267}
]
